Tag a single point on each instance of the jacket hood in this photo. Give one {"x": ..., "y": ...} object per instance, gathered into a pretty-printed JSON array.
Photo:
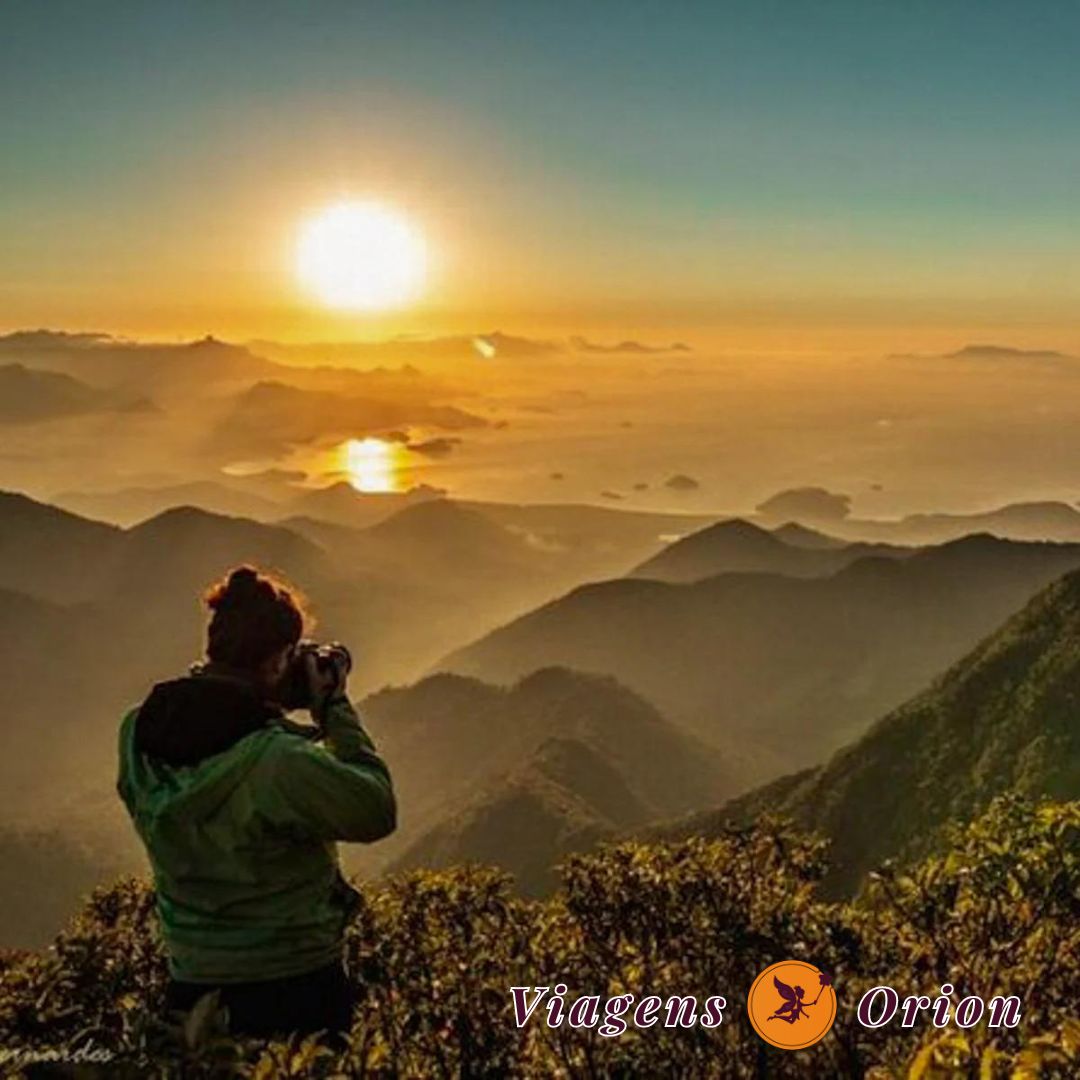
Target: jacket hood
[
  {"x": 186, "y": 720},
  {"x": 188, "y": 746}
]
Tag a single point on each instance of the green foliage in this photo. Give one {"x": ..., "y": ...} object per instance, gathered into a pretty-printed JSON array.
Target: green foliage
[{"x": 434, "y": 956}]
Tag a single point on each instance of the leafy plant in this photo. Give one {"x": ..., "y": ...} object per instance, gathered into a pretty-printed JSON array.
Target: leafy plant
[{"x": 434, "y": 956}]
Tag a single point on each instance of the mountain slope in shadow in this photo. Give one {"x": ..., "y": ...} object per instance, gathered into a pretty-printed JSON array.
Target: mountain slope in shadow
[
  {"x": 523, "y": 774},
  {"x": 1004, "y": 718},
  {"x": 779, "y": 671}
]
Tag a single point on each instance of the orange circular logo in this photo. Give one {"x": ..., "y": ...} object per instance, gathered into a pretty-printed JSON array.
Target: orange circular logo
[{"x": 792, "y": 1004}]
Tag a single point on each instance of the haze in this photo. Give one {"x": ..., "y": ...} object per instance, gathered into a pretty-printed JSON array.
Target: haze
[{"x": 653, "y": 397}]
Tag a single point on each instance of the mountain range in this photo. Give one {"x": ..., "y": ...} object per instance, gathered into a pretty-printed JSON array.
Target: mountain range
[
  {"x": 735, "y": 546},
  {"x": 522, "y": 775},
  {"x": 95, "y": 613},
  {"x": 28, "y": 396},
  {"x": 105, "y": 361},
  {"x": 820, "y": 509},
  {"x": 592, "y": 710},
  {"x": 775, "y": 670},
  {"x": 1003, "y": 718}
]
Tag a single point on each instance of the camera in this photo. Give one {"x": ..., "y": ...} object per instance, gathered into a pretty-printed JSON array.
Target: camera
[{"x": 294, "y": 690}]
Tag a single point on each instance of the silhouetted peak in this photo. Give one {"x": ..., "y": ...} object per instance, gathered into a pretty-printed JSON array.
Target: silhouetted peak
[
  {"x": 976, "y": 541},
  {"x": 187, "y": 522},
  {"x": 52, "y": 339},
  {"x": 433, "y": 511},
  {"x": 798, "y": 535},
  {"x": 560, "y": 680},
  {"x": 181, "y": 516},
  {"x": 17, "y": 507},
  {"x": 1004, "y": 352},
  {"x": 738, "y": 527},
  {"x": 445, "y": 682}
]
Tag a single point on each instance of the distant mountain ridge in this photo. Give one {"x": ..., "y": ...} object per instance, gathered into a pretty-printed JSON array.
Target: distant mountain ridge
[
  {"x": 100, "y": 360},
  {"x": 1017, "y": 521},
  {"x": 994, "y": 353},
  {"x": 800, "y": 536},
  {"x": 779, "y": 668},
  {"x": 49, "y": 552},
  {"x": 342, "y": 504},
  {"x": 94, "y": 614},
  {"x": 128, "y": 506},
  {"x": 818, "y": 509},
  {"x": 1005, "y": 352},
  {"x": 30, "y": 396},
  {"x": 736, "y": 546},
  {"x": 441, "y": 574},
  {"x": 530, "y": 772}
]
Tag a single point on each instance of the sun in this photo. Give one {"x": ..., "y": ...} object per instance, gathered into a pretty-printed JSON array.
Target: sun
[{"x": 361, "y": 256}]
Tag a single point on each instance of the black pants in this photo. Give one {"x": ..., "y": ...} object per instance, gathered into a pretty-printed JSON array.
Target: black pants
[{"x": 277, "y": 1007}]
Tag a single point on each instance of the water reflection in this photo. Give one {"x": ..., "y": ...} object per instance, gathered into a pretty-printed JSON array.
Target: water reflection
[{"x": 372, "y": 465}]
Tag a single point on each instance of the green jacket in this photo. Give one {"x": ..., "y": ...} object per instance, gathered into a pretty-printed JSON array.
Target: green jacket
[{"x": 242, "y": 841}]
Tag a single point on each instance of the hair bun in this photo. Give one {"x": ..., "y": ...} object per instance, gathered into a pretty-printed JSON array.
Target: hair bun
[
  {"x": 254, "y": 615},
  {"x": 240, "y": 589},
  {"x": 243, "y": 581}
]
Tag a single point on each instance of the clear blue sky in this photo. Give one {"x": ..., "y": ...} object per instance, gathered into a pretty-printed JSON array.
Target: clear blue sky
[{"x": 599, "y": 154}]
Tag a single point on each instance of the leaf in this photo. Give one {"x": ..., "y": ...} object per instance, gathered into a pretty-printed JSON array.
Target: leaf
[
  {"x": 1070, "y": 1036},
  {"x": 208, "y": 1017},
  {"x": 920, "y": 1064}
]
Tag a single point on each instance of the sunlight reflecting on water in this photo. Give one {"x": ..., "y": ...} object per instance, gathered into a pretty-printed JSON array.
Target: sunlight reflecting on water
[{"x": 372, "y": 465}]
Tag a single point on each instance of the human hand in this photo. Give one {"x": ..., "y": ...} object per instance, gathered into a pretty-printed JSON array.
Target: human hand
[{"x": 327, "y": 679}]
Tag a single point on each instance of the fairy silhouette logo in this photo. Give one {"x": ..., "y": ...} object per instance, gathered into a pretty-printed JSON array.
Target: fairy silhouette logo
[{"x": 792, "y": 1004}]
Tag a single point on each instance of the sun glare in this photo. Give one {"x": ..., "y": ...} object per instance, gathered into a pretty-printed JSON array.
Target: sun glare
[
  {"x": 361, "y": 256},
  {"x": 371, "y": 464}
]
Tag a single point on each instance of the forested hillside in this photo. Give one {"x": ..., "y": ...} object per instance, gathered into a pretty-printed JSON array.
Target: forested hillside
[{"x": 1006, "y": 718}]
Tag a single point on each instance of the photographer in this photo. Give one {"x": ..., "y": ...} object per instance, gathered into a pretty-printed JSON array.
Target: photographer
[{"x": 239, "y": 811}]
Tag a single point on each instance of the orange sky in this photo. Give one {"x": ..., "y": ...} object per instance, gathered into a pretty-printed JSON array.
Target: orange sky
[{"x": 825, "y": 181}]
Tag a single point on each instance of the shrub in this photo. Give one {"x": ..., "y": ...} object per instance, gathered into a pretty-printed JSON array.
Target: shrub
[{"x": 434, "y": 956}]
